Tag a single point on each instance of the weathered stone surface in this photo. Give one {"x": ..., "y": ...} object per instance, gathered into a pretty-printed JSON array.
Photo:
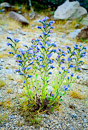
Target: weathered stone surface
[
  {"x": 18, "y": 17},
  {"x": 80, "y": 12},
  {"x": 69, "y": 10}
]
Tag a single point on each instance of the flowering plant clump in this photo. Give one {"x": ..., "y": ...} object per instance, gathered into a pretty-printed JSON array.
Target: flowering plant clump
[
  {"x": 76, "y": 55},
  {"x": 37, "y": 67}
]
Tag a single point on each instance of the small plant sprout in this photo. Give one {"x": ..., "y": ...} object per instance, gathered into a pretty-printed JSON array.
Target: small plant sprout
[{"x": 37, "y": 68}]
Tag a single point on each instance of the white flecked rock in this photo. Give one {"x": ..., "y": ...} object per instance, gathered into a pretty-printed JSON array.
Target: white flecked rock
[{"x": 69, "y": 10}]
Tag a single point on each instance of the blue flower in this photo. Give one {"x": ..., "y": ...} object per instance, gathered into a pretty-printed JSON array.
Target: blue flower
[
  {"x": 51, "y": 61},
  {"x": 71, "y": 66},
  {"x": 9, "y": 38},
  {"x": 68, "y": 71},
  {"x": 81, "y": 61},
  {"x": 48, "y": 56},
  {"x": 48, "y": 43},
  {"x": 53, "y": 44},
  {"x": 21, "y": 73},
  {"x": 28, "y": 68},
  {"x": 62, "y": 67},
  {"x": 65, "y": 88},
  {"x": 78, "y": 77},
  {"x": 52, "y": 95},
  {"x": 24, "y": 82},
  {"x": 30, "y": 76},
  {"x": 20, "y": 61},
  {"x": 43, "y": 46},
  {"x": 80, "y": 45},
  {"x": 18, "y": 70},
  {"x": 59, "y": 49},
  {"x": 18, "y": 55},
  {"x": 74, "y": 53},
  {"x": 68, "y": 78},
  {"x": 23, "y": 68},
  {"x": 52, "y": 67},
  {"x": 72, "y": 74},
  {"x": 41, "y": 66},
  {"x": 63, "y": 59},
  {"x": 16, "y": 40},
  {"x": 50, "y": 73},
  {"x": 69, "y": 59},
  {"x": 79, "y": 69},
  {"x": 44, "y": 33},
  {"x": 79, "y": 49},
  {"x": 63, "y": 54},
  {"x": 63, "y": 51},
  {"x": 76, "y": 48},
  {"x": 39, "y": 27},
  {"x": 9, "y": 44},
  {"x": 84, "y": 52},
  {"x": 59, "y": 72},
  {"x": 68, "y": 47},
  {"x": 51, "y": 27},
  {"x": 11, "y": 52},
  {"x": 58, "y": 56},
  {"x": 68, "y": 51},
  {"x": 76, "y": 45},
  {"x": 68, "y": 86},
  {"x": 44, "y": 26},
  {"x": 84, "y": 48},
  {"x": 51, "y": 22}
]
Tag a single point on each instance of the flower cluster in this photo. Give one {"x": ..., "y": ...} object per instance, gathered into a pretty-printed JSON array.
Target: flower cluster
[
  {"x": 36, "y": 62},
  {"x": 13, "y": 45},
  {"x": 76, "y": 55}
]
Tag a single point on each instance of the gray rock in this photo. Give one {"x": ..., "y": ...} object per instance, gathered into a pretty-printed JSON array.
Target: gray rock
[
  {"x": 22, "y": 32},
  {"x": 84, "y": 67},
  {"x": 5, "y": 5},
  {"x": 10, "y": 32},
  {"x": 74, "y": 33},
  {"x": 80, "y": 12},
  {"x": 11, "y": 116},
  {"x": 69, "y": 10},
  {"x": 18, "y": 17},
  {"x": 74, "y": 116}
]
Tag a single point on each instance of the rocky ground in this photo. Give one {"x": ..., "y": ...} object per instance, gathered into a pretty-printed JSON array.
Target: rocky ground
[{"x": 73, "y": 112}]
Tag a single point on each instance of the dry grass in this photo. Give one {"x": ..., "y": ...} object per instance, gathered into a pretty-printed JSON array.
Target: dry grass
[
  {"x": 10, "y": 77},
  {"x": 9, "y": 90},
  {"x": 4, "y": 55},
  {"x": 7, "y": 103},
  {"x": 2, "y": 83},
  {"x": 77, "y": 94}
]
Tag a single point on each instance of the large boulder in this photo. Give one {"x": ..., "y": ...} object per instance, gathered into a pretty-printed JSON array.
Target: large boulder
[
  {"x": 18, "y": 17},
  {"x": 69, "y": 10}
]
